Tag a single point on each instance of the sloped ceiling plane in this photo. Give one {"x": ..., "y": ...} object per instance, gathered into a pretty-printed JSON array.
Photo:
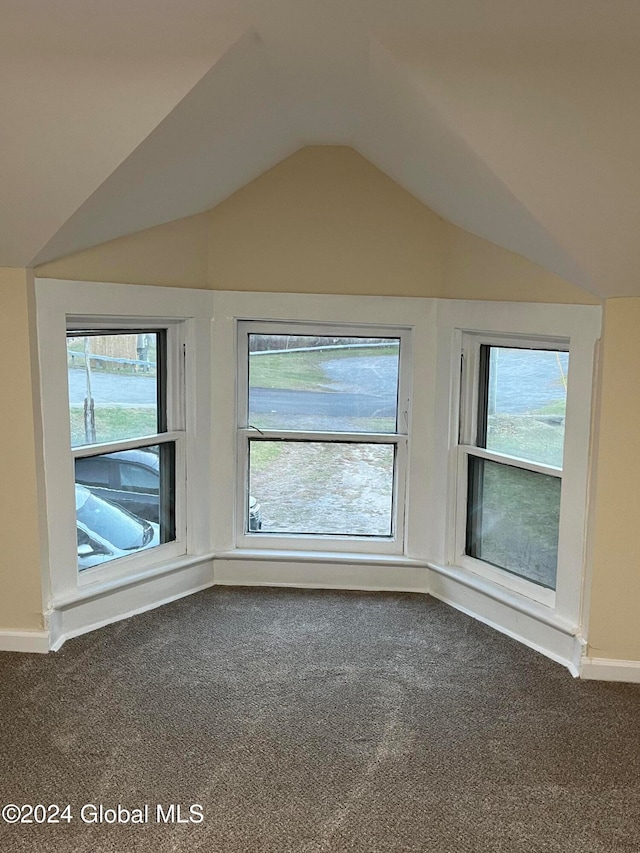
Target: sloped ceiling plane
[{"x": 518, "y": 121}]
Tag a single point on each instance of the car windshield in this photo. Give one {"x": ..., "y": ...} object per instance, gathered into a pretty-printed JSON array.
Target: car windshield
[{"x": 112, "y": 524}]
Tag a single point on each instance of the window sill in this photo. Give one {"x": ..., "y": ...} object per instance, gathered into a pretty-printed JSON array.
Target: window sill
[
  {"x": 344, "y": 557},
  {"x": 502, "y": 595},
  {"x": 98, "y": 590}
]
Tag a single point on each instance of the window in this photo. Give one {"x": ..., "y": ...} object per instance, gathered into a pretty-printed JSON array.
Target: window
[
  {"x": 323, "y": 421},
  {"x": 123, "y": 444},
  {"x": 140, "y": 357},
  {"x": 311, "y": 438},
  {"x": 512, "y": 444}
]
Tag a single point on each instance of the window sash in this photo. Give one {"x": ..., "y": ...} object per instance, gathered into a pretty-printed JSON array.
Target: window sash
[
  {"x": 535, "y": 567},
  {"x": 474, "y": 370},
  {"x": 171, "y": 418},
  {"x": 335, "y": 534},
  {"x": 399, "y": 439},
  {"x": 127, "y": 444},
  {"x": 514, "y": 461},
  {"x": 393, "y": 544},
  {"x": 501, "y": 577},
  {"x": 471, "y": 432},
  {"x": 247, "y": 327},
  {"x": 160, "y": 334}
]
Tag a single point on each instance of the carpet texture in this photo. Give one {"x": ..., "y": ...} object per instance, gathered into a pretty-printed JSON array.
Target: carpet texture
[{"x": 317, "y": 721}]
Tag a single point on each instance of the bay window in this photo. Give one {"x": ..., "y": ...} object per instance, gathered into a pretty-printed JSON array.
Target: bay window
[{"x": 438, "y": 446}]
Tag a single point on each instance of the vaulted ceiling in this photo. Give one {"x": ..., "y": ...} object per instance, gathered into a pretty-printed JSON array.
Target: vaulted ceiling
[{"x": 518, "y": 121}]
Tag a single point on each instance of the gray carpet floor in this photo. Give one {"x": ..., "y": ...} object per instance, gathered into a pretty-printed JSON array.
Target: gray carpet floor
[{"x": 317, "y": 721}]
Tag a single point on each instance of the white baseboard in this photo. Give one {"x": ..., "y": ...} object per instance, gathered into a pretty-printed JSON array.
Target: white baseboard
[
  {"x": 303, "y": 574},
  {"x": 88, "y": 614},
  {"x": 556, "y": 641},
  {"x": 604, "y": 669},
  {"x": 24, "y": 641}
]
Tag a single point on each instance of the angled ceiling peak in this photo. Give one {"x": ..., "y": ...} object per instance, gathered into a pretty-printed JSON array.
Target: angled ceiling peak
[{"x": 516, "y": 121}]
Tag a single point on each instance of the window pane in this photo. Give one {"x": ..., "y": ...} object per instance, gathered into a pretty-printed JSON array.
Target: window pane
[
  {"x": 113, "y": 386},
  {"x": 328, "y": 384},
  {"x": 94, "y": 471},
  {"x": 138, "y": 478},
  {"x": 122, "y": 517},
  {"x": 323, "y": 488},
  {"x": 526, "y": 395},
  {"x": 513, "y": 518}
]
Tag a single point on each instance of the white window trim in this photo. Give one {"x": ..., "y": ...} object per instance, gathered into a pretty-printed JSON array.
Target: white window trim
[
  {"x": 60, "y": 304},
  {"x": 572, "y": 327},
  {"x": 363, "y": 315},
  {"x": 139, "y": 561},
  {"x": 467, "y": 430},
  {"x": 427, "y": 563}
]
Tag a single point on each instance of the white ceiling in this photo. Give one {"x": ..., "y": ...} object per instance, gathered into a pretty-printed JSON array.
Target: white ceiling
[{"x": 519, "y": 121}]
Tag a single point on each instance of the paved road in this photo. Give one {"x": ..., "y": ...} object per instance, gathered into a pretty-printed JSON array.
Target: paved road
[
  {"x": 119, "y": 389},
  {"x": 356, "y": 388},
  {"x": 528, "y": 379},
  {"x": 323, "y": 403}
]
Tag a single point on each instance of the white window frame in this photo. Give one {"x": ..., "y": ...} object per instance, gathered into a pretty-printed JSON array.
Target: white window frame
[
  {"x": 572, "y": 327},
  {"x": 359, "y": 312},
  {"x": 468, "y": 430},
  {"x": 426, "y": 559},
  {"x": 175, "y": 434},
  {"x": 393, "y": 544},
  {"x": 62, "y": 306}
]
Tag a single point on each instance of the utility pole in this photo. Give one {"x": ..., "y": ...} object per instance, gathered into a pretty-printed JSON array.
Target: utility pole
[{"x": 89, "y": 410}]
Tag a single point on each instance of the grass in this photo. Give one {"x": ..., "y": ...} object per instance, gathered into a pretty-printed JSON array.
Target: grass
[
  {"x": 557, "y": 407},
  {"x": 302, "y": 371},
  {"x": 115, "y": 423},
  {"x": 321, "y": 423},
  {"x": 526, "y": 437},
  {"x": 299, "y": 371},
  {"x": 264, "y": 454},
  {"x": 316, "y": 488},
  {"x": 519, "y": 528}
]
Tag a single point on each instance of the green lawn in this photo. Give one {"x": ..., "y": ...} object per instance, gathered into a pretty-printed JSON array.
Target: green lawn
[
  {"x": 115, "y": 423},
  {"x": 302, "y": 371},
  {"x": 264, "y": 454},
  {"x": 526, "y": 437},
  {"x": 519, "y": 520}
]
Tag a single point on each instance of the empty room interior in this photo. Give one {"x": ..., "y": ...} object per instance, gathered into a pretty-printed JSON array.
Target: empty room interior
[{"x": 320, "y": 361}]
